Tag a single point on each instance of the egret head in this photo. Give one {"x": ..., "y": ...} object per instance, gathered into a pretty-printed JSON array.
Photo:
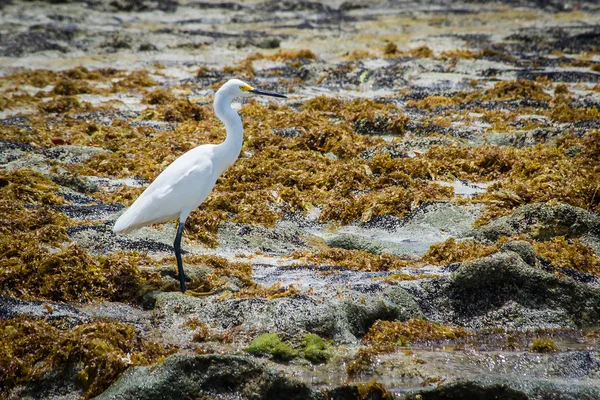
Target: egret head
[{"x": 236, "y": 88}]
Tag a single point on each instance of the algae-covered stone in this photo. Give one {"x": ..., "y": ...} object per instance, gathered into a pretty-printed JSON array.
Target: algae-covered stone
[
  {"x": 73, "y": 154},
  {"x": 488, "y": 283},
  {"x": 523, "y": 249},
  {"x": 344, "y": 317},
  {"x": 468, "y": 390},
  {"x": 269, "y": 344},
  {"x": 542, "y": 221},
  {"x": 186, "y": 376},
  {"x": 355, "y": 242}
]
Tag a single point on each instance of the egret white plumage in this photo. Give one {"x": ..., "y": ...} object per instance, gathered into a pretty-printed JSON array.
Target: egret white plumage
[{"x": 188, "y": 181}]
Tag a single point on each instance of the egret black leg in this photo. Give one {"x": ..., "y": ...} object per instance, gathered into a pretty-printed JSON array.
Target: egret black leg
[{"x": 177, "y": 246}]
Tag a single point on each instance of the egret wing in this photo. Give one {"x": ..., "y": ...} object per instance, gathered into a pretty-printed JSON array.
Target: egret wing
[{"x": 181, "y": 187}]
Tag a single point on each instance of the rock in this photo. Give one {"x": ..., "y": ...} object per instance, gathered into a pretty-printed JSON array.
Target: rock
[
  {"x": 574, "y": 365},
  {"x": 541, "y": 221},
  {"x": 343, "y": 317},
  {"x": 284, "y": 238},
  {"x": 523, "y": 249},
  {"x": 89, "y": 212},
  {"x": 542, "y": 388},
  {"x": 291, "y": 132},
  {"x": 354, "y": 242},
  {"x": 217, "y": 376},
  {"x": 11, "y": 151},
  {"x": 468, "y": 390},
  {"x": 487, "y": 284},
  {"x": 99, "y": 239},
  {"x": 72, "y": 154}
]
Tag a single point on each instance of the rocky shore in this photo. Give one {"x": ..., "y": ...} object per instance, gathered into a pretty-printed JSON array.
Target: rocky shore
[{"x": 418, "y": 220}]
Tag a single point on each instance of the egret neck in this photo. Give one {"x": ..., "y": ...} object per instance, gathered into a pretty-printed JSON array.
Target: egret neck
[{"x": 230, "y": 149}]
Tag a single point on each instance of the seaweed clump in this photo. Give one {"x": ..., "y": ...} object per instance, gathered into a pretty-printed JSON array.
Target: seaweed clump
[
  {"x": 411, "y": 331},
  {"x": 543, "y": 345},
  {"x": 32, "y": 271},
  {"x": 96, "y": 353},
  {"x": 63, "y": 104},
  {"x": 565, "y": 253},
  {"x": 36, "y": 223},
  {"x": 543, "y": 173},
  {"x": 452, "y": 250},
  {"x": 352, "y": 259},
  {"x": 507, "y": 90}
]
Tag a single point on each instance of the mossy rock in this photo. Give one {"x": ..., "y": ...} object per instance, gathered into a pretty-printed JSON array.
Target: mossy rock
[
  {"x": 468, "y": 390},
  {"x": 542, "y": 221},
  {"x": 271, "y": 345},
  {"x": 488, "y": 283},
  {"x": 186, "y": 376}
]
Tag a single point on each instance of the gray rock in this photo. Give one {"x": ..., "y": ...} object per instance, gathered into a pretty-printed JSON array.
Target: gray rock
[
  {"x": 73, "y": 154},
  {"x": 543, "y": 389},
  {"x": 523, "y": 249},
  {"x": 217, "y": 376},
  {"x": 343, "y": 317},
  {"x": 468, "y": 390},
  {"x": 355, "y": 242},
  {"x": 487, "y": 284},
  {"x": 290, "y": 132},
  {"x": 284, "y": 238},
  {"x": 541, "y": 221}
]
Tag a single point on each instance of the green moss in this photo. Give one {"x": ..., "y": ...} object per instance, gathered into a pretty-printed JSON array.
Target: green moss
[
  {"x": 544, "y": 345},
  {"x": 270, "y": 345},
  {"x": 315, "y": 349},
  {"x": 99, "y": 351}
]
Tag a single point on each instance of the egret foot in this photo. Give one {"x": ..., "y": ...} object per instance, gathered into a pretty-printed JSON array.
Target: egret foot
[{"x": 177, "y": 246}]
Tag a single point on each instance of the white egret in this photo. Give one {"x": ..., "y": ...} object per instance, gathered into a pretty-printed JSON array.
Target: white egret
[{"x": 188, "y": 181}]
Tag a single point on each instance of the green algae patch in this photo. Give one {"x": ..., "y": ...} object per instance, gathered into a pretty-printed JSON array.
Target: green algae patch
[
  {"x": 351, "y": 259},
  {"x": 270, "y": 345},
  {"x": 411, "y": 331},
  {"x": 569, "y": 253},
  {"x": 315, "y": 349},
  {"x": 96, "y": 353},
  {"x": 543, "y": 345}
]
